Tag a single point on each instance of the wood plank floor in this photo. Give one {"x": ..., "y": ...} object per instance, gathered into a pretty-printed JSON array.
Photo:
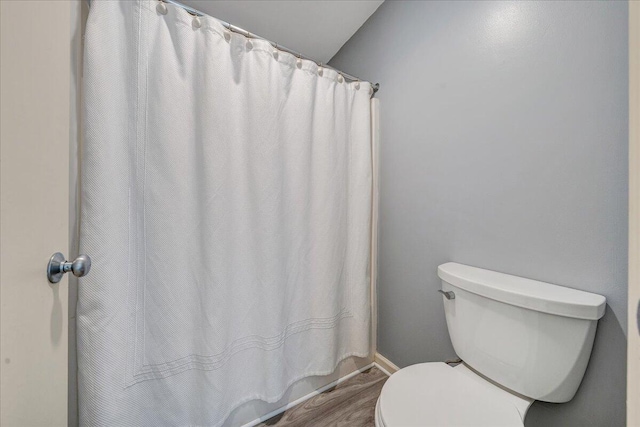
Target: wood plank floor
[{"x": 351, "y": 403}]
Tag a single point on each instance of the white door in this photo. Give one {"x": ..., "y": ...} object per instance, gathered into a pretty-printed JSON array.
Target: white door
[{"x": 35, "y": 121}]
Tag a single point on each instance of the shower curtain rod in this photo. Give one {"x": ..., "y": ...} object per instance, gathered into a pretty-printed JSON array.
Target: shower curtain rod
[{"x": 374, "y": 86}]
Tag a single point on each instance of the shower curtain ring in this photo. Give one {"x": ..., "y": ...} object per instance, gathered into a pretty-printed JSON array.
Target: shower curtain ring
[
  {"x": 162, "y": 7},
  {"x": 249, "y": 45}
]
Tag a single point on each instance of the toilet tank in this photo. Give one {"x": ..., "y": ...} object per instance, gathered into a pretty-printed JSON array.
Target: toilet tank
[{"x": 531, "y": 337}]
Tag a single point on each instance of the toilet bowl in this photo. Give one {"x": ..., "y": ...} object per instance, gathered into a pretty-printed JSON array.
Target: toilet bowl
[
  {"x": 521, "y": 340},
  {"x": 436, "y": 394}
]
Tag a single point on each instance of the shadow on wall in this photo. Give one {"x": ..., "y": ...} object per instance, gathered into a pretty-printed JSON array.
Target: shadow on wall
[{"x": 604, "y": 379}]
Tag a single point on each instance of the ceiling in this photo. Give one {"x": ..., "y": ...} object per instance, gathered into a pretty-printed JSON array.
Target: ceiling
[{"x": 315, "y": 28}]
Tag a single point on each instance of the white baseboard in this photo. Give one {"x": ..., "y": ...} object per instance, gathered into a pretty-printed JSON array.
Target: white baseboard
[
  {"x": 308, "y": 396},
  {"x": 384, "y": 364}
]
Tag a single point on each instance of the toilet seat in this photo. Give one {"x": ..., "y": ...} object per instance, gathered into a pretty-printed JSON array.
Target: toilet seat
[{"x": 435, "y": 394}]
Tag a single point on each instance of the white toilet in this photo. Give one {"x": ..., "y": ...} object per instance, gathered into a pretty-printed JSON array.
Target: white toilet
[{"x": 521, "y": 340}]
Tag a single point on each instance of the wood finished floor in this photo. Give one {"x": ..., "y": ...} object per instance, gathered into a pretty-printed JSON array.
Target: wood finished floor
[{"x": 351, "y": 403}]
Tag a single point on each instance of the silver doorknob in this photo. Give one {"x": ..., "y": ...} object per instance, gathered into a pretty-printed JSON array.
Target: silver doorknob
[{"x": 58, "y": 266}]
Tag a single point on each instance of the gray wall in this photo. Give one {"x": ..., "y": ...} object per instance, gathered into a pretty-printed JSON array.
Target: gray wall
[{"x": 504, "y": 146}]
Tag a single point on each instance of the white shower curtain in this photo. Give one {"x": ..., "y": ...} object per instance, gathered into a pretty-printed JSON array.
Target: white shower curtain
[{"x": 226, "y": 204}]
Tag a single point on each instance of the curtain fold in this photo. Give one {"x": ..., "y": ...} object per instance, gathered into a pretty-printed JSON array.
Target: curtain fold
[{"x": 226, "y": 204}]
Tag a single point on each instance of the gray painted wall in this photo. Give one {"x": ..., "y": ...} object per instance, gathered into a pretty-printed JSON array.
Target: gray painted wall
[{"x": 504, "y": 146}]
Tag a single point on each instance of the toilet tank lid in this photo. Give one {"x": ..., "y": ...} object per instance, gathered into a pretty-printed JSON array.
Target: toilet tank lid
[{"x": 526, "y": 293}]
